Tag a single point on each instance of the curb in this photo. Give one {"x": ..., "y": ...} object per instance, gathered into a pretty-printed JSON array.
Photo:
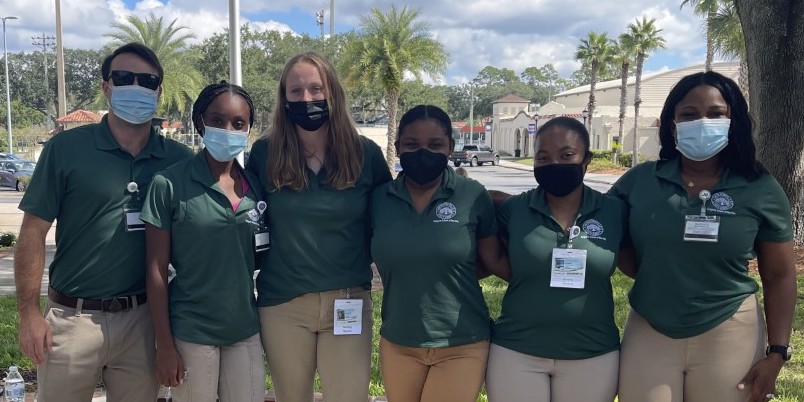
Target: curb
[{"x": 525, "y": 168}]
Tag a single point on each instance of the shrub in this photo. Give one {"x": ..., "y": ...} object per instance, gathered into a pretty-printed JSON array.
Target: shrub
[
  {"x": 625, "y": 158},
  {"x": 24, "y": 182},
  {"x": 8, "y": 239},
  {"x": 601, "y": 154}
]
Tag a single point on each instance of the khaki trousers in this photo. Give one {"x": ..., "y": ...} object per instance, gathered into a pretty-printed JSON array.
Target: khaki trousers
[
  {"x": 298, "y": 339},
  {"x": 513, "y": 376},
  {"x": 87, "y": 345},
  {"x": 234, "y": 373},
  {"x": 449, "y": 374},
  {"x": 703, "y": 368}
]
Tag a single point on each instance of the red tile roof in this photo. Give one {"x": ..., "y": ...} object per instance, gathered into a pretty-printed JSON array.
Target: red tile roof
[
  {"x": 476, "y": 129},
  {"x": 80, "y": 116}
]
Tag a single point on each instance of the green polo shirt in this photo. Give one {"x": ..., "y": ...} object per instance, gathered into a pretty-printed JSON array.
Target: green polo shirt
[
  {"x": 550, "y": 322},
  {"x": 80, "y": 180},
  {"x": 431, "y": 296},
  {"x": 212, "y": 250},
  {"x": 686, "y": 288},
  {"x": 319, "y": 235}
]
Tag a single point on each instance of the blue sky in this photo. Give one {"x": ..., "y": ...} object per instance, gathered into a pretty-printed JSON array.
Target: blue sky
[{"x": 476, "y": 33}]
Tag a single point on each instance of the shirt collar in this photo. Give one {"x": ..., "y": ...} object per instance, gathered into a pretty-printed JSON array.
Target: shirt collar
[
  {"x": 105, "y": 141},
  {"x": 445, "y": 190},
  {"x": 670, "y": 170},
  {"x": 589, "y": 202}
]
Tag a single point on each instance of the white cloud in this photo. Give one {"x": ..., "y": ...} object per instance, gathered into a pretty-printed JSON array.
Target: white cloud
[{"x": 514, "y": 34}]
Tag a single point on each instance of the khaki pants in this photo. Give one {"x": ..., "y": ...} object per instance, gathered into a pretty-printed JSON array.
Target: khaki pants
[
  {"x": 234, "y": 373},
  {"x": 298, "y": 339},
  {"x": 703, "y": 368},
  {"x": 449, "y": 374},
  {"x": 118, "y": 347},
  {"x": 513, "y": 376}
]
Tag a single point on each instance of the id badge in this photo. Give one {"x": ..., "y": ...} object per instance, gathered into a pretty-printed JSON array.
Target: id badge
[
  {"x": 131, "y": 217},
  {"x": 568, "y": 268},
  {"x": 262, "y": 241},
  {"x": 348, "y": 316},
  {"x": 701, "y": 228}
]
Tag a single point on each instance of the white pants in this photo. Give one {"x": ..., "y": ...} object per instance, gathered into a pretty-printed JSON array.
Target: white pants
[
  {"x": 234, "y": 373},
  {"x": 513, "y": 376}
]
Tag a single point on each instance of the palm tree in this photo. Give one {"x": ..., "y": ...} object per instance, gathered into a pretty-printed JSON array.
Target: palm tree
[
  {"x": 624, "y": 53},
  {"x": 708, "y": 9},
  {"x": 182, "y": 81},
  {"x": 646, "y": 39},
  {"x": 390, "y": 45},
  {"x": 596, "y": 50},
  {"x": 728, "y": 39}
]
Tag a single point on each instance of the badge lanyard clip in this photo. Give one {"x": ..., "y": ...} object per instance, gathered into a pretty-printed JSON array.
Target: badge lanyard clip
[
  {"x": 574, "y": 232},
  {"x": 704, "y": 195}
]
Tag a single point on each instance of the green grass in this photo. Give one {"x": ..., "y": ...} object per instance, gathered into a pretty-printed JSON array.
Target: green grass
[
  {"x": 595, "y": 166},
  {"x": 790, "y": 385}
]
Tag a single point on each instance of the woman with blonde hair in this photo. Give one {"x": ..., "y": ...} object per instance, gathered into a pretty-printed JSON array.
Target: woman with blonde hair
[{"x": 314, "y": 287}]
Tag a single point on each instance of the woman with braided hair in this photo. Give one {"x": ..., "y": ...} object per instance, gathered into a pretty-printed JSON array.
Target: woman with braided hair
[{"x": 204, "y": 216}]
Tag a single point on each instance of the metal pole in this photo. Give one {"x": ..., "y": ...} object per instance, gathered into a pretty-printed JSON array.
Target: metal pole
[
  {"x": 471, "y": 113},
  {"x": 235, "y": 75},
  {"x": 60, "y": 84},
  {"x": 331, "y": 18},
  {"x": 8, "y": 90}
]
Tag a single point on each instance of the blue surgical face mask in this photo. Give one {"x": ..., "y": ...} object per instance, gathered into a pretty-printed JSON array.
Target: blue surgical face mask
[
  {"x": 702, "y": 139},
  {"x": 133, "y": 103},
  {"x": 224, "y": 145}
]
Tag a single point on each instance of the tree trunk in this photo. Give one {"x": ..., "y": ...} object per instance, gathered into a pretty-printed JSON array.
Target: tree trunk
[
  {"x": 743, "y": 77},
  {"x": 393, "y": 106},
  {"x": 592, "y": 84},
  {"x": 623, "y": 102},
  {"x": 774, "y": 40},
  {"x": 637, "y": 101},
  {"x": 710, "y": 41}
]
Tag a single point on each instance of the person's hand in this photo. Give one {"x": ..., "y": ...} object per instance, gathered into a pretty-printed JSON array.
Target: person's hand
[
  {"x": 36, "y": 340},
  {"x": 760, "y": 382},
  {"x": 169, "y": 366}
]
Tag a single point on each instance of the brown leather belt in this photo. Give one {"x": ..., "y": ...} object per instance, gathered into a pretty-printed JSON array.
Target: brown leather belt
[{"x": 112, "y": 305}]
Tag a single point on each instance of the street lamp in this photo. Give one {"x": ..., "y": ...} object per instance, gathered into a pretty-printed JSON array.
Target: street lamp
[
  {"x": 8, "y": 90},
  {"x": 585, "y": 115}
]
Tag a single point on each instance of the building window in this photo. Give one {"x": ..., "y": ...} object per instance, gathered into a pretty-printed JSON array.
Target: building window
[{"x": 505, "y": 110}]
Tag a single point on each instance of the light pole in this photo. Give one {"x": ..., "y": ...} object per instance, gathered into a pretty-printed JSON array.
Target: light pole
[
  {"x": 8, "y": 90},
  {"x": 585, "y": 115},
  {"x": 471, "y": 113}
]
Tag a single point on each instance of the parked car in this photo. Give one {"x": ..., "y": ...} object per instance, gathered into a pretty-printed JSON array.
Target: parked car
[
  {"x": 475, "y": 155},
  {"x": 7, "y": 156},
  {"x": 12, "y": 171}
]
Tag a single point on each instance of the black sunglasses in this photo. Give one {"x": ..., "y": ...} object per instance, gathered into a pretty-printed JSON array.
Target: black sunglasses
[{"x": 121, "y": 78}]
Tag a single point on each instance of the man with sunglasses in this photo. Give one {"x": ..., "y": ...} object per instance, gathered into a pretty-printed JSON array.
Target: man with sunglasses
[{"x": 93, "y": 179}]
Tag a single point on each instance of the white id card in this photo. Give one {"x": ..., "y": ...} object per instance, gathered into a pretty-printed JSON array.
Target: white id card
[
  {"x": 348, "y": 316},
  {"x": 701, "y": 228},
  {"x": 262, "y": 241},
  {"x": 568, "y": 268},
  {"x": 132, "y": 219}
]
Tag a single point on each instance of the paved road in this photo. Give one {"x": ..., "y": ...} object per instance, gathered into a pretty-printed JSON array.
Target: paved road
[{"x": 514, "y": 178}]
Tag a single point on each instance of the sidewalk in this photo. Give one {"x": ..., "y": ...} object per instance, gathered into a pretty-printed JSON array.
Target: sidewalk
[{"x": 590, "y": 177}]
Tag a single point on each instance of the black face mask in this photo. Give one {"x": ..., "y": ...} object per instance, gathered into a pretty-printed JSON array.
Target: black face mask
[
  {"x": 308, "y": 115},
  {"x": 423, "y": 166},
  {"x": 559, "y": 179}
]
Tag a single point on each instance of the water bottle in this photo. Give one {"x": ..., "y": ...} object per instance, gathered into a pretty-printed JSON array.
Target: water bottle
[{"x": 14, "y": 386}]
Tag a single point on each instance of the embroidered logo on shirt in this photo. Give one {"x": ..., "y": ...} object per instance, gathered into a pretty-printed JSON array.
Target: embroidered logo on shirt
[
  {"x": 593, "y": 229},
  {"x": 253, "y": 217},
  {"x": 445, "y": 211},
  {"x": 722, "y": 201}
]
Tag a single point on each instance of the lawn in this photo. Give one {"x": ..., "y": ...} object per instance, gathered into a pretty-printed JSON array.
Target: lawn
[
  {"x": 596, "y": 166},
  {"x": 790, "y": 387}
]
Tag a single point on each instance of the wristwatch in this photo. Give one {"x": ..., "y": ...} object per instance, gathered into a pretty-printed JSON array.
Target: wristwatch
[{"x": 785, "y": 351}]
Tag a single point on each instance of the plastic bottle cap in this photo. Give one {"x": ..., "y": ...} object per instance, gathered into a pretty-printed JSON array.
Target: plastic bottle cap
[{"x": 12, "y": 368}]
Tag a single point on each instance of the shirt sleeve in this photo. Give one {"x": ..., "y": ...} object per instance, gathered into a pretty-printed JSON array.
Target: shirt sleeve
[
  {"x": 379, "y": 168},
  {"x": 158, "y": 207},
  {"x": 486, "y": 219},
  {"x": 776, "y": 221},
  {"x": 256, "y": 163},
  {"x": 503, "y": 215},
  {"x": 47, "y": 187}
]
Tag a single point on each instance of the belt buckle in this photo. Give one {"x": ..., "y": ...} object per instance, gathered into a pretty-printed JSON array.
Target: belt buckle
[{"x": 115, "y": 306}]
